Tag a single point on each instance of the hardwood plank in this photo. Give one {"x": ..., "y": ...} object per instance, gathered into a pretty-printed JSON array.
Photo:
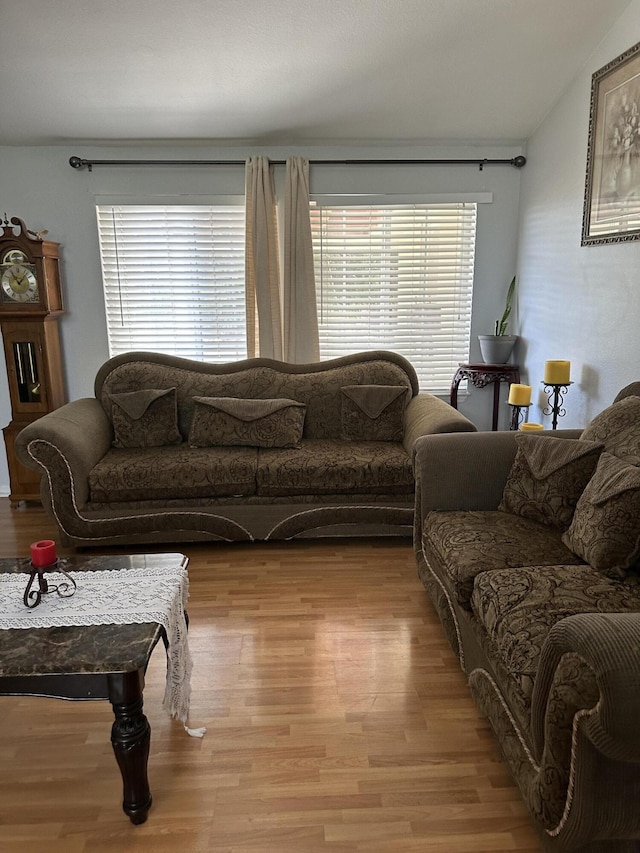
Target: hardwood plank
[{"x": 338, "y": 720}]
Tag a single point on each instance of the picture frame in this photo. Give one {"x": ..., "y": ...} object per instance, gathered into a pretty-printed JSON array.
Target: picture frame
[{"x": 612, "y": 190}]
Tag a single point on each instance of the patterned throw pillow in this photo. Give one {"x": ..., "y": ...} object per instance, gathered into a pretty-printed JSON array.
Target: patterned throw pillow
[
  {"x": 231, "y": 421},
  {"x": 145, "y": 418},
  {"x": 547, "y": 477},
  {"x": 605, "y": 530},
  {"x": 373, "y": 412},
  {"x": 618, "y": 428}
]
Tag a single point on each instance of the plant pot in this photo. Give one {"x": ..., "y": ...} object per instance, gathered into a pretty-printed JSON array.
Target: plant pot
[{"x": 496, "y": 349}]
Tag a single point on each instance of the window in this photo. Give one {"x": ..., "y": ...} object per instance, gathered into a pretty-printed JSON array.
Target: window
[
  {"x": 397, "y": 277},
  {"x": 174, "y": 279},
  {"x": 388, "y": 276}
]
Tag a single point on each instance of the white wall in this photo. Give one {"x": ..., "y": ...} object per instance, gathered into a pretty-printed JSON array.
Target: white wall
[
  {"x": 39, "y": 186},
  {"x": 578, "y": 303}
]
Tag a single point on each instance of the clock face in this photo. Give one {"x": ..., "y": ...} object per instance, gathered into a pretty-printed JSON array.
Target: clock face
[{"x": 19, "y": 284}]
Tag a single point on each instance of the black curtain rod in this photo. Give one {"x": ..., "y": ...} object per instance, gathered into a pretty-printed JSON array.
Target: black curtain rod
[{"x": 518, "y": 162}]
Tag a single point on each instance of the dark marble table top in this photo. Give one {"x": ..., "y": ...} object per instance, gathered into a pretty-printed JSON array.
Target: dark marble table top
[{"x": 86, "y": 649}]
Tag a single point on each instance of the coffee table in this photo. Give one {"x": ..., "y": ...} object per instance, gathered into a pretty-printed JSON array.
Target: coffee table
[{"x": 92, "y": 662}]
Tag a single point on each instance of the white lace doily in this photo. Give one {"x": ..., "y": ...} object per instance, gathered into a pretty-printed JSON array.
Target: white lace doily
[{"x": 116, "y": 597}]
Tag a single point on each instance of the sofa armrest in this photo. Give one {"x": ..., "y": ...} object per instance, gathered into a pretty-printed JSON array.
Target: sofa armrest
[
  {"x": 427, "y": 414},
  {"x": 608, "y": 646},
  {"x": 462, "y": 471},
  {"x": 584, "y": 777},
  {"x": 465, "y": 471},
  {"x": 67, "y": 443}
]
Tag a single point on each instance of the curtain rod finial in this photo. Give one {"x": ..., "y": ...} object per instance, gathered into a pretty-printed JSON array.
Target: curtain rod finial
[
  {"x": 78, "y": 163},
  {"x": 519, "y": 161}
]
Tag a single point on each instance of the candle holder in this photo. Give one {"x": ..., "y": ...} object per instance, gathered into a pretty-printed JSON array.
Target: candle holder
[
  {"x": 555, "y": 405},
  {"x": 65, "y": 589},
  {"x": 517, "y": 415}
]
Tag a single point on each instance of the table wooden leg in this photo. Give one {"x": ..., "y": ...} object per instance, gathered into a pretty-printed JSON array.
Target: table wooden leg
[
  {"x": 496, "y": 405},
  {"x": 453, "y": 392},
  {"x": 130, "y": 737}
]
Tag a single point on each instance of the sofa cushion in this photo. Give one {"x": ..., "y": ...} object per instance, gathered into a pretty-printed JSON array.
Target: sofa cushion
[
  {"x": 173, "y": 472},
  {"x": 233, "y": 421},
  {"x": 517, "y": 608},
  {"x": 317, "y": 385},
  {"x": 467, "y": 543},
  {"x": 618, "y": 428},
  {"x": 145, "y": 418},
  {"x": 605, "y": 530},
  {"x": 547, "y": 477},
  {"x": 373, "y": 412},
  {"x": 322, "y": 466}
]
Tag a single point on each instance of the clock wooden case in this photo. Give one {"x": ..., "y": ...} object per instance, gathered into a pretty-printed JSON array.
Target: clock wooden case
[{"x": 30, "y": 305}]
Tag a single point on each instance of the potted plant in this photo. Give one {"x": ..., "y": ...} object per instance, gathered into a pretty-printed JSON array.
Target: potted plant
[{"x": 497, "y": 348}]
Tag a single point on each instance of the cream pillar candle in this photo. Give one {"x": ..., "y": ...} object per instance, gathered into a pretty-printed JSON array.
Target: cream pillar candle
[
  {"x": 519, "y": 395},
  {"x": 531, "y": 427},
  {"x": 557, "y": 372}
]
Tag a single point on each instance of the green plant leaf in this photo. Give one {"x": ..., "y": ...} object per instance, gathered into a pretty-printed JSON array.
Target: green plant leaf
[{"x": 501, "y": 324}]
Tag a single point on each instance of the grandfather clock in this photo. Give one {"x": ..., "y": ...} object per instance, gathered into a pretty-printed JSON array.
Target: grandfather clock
[{"x": 30, "y": 305}]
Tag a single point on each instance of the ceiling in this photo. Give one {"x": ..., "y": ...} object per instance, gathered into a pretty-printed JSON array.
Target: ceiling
[{"x": 289, "y": 71}]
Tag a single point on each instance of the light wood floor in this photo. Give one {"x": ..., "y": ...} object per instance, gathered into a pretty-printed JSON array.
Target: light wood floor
[{"x": 338, "y": 720}]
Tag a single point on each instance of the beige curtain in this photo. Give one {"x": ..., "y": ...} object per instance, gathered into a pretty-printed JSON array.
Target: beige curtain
[
  {"x": 299, "y": 285},
  {"x": 262, "y": 269}
]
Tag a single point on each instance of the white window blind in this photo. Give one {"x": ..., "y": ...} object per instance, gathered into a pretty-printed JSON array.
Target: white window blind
[
  {"x": 174, "y": 279},
  {"x": 397, "y": 277}
]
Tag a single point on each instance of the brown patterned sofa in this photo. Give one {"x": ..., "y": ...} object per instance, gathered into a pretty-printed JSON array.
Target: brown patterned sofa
[
  {"x": 176, "y": 450},
  {"x": 529, "y": 547}
]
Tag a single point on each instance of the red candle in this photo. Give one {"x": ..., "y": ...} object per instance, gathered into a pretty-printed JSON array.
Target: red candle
[{"x": 43, "y": 553}]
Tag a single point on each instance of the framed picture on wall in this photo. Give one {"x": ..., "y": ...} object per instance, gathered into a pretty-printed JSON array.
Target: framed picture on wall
[{"x": 612, "y": 192}]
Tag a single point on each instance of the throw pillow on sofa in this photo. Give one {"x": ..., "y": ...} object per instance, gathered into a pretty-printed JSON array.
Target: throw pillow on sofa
[
  {"x": 547, "y": 477},
  {"x": 605, "y": 531},
  {"x": 373, "y": 412},
  {"x": 618, "y": 428},
  {"x": 233, "y": 421},
  {"x": 145, "y": 418}
]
